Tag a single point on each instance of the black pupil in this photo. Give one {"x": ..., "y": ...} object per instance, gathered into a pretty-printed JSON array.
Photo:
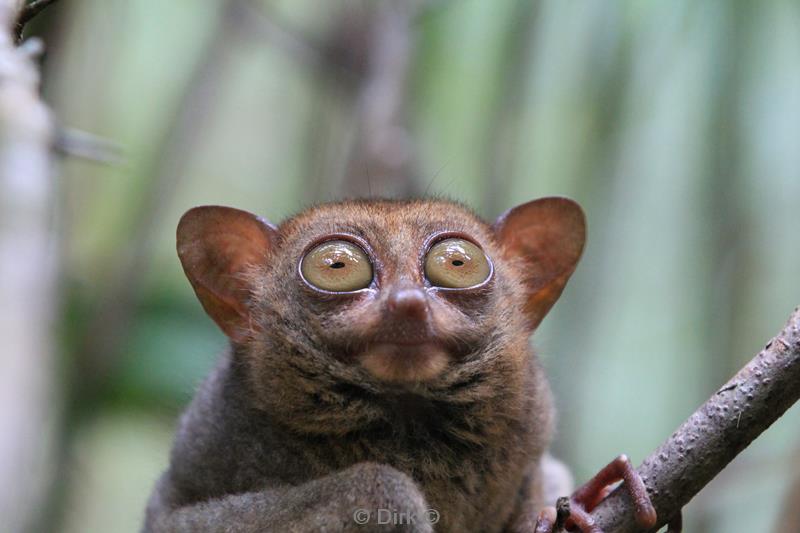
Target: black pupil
[
  {"x": 457, "y": 262},
  {"x": 337, "y": 264}
]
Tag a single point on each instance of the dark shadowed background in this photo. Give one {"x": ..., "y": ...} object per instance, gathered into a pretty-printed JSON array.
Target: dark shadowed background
[{"x": 676, "y": 124}]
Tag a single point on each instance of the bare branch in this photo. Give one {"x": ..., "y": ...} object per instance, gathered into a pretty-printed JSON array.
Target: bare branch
[
  {"x": 27, "y": 13},
  {"x": 716, "y": 433},
  {"x": 77, "y": 143},
  {"x": 28, "y": 389}
]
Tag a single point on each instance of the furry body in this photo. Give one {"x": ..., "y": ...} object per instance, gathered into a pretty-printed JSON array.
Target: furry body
[{"x": 291, "y": 433}]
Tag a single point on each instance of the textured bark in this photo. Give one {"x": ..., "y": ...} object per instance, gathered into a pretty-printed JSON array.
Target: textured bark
[{"x": 721, "y": 428}]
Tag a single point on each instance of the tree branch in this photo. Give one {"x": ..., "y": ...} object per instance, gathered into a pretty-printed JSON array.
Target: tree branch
[
  {"x": 716, "y": 433},
  {"x": 27, "y": 13},
  {"x": 29, "y": 398}
]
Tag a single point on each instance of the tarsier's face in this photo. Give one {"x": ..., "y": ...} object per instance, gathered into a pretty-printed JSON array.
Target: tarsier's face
[
  {"x": 401, "y": 294},
  {"x": 408, "y": 322},
  {"x": 403, "y": 291}
]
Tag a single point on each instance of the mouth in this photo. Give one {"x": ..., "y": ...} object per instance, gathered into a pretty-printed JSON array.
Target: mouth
[
  {"x": 405, "y": 360},
  {"x": 404, "y": 333},
  {"x": 408, "y": 339}
]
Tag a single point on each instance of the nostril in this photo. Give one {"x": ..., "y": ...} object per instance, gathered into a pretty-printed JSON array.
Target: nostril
[{"x": 408, "y": 303}]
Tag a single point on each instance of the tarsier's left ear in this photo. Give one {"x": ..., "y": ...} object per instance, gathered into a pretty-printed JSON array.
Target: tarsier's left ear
[
  {"x": 546, "y": 236},
  {"x": 217, "y": 246}
]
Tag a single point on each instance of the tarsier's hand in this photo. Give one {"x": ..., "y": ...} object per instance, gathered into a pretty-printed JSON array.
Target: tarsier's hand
[
  {"x": 364, "y": 498},
  {"x": 573, "y": 513}
]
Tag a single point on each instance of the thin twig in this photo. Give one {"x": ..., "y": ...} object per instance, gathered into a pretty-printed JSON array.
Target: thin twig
[
  {"x": 718, "y": 431},
  {"x": 27, "y": 13},
  {"x": 72, "y": 142}
]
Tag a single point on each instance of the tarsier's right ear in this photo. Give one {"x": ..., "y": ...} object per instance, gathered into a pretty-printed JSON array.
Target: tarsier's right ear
[
  {"x": 216, "y": 246},
  {"x": 546, "y": 236}
]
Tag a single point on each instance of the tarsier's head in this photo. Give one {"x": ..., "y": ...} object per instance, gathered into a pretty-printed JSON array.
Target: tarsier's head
[{"x": 388, "y": 295}]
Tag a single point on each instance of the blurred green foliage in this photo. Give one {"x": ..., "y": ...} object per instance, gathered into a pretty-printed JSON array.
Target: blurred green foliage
[{"x": 676, "y": 124}]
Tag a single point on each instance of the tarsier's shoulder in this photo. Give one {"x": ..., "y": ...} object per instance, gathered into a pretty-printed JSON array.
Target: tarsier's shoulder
[{"x": 223, "y": 444}]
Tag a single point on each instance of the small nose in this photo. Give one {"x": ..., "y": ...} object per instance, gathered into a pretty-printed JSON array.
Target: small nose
[{"x": 408, "y": 302}]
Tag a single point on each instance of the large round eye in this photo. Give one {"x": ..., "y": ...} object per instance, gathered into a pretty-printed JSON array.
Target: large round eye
[
  {"x": 456, "y": 264},
  {"x": 337, "y": 266}
]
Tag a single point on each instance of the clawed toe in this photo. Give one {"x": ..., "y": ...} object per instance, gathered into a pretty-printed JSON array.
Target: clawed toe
[{"x": 588, "y": 496}]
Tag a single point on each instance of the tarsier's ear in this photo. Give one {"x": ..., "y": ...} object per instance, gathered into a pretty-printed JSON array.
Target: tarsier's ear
[
  {"x": 216, "y": 246},
  {"x": 546, "y": 236}
]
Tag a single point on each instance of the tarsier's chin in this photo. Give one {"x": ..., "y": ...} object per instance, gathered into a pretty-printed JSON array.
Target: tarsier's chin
[{"x": 402, "y": 364}]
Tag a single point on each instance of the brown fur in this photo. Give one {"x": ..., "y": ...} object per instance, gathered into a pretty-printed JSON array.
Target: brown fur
[{"x": 304, "y": 421}]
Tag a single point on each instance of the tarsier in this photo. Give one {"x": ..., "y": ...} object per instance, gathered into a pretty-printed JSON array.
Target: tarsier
[{"x": 380, "y": 376}]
